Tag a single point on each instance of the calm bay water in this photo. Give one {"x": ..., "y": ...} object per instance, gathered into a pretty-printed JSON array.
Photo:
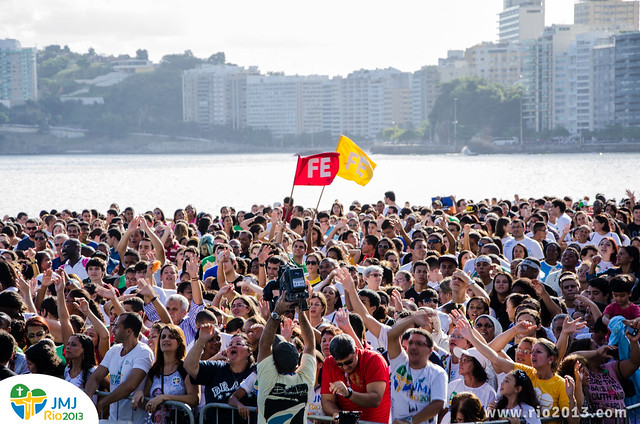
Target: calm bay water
[{"x": 32, "y": 183}]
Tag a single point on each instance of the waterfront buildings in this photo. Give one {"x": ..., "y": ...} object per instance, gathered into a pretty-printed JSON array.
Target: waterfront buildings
[
  {"x": 18, "y": 78},
  {"x": 581, "y": 77}
]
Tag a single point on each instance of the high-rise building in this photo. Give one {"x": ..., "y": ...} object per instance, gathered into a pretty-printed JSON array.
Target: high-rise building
[
  {"x": 582, "y": 62},
  {"x": 614, "y": 15},
  {"x": 627, "y": 79},
  {"x": 424, "y": 92},
  {"x": 549, "y": 102},
  {"x": 215, "y": 95},
  {"x": 604, "y": 86},
  {"x": 18, "y": 74},
  {"x": 286, "y": 104},
  {"x": 521, "y": 20},
  {"x": 372, "y": 100}
]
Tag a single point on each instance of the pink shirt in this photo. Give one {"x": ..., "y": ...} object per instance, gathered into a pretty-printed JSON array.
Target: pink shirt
[{"x": 630, "y": 312}]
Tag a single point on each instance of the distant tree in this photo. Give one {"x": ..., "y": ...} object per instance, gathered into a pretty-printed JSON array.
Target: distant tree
[
  {"x": 217, "y": 59},
  {"x": 83, "y": 62},
  {"x": 142, "y": 54},
  {"x": 180, "y": 62},
  {"x": 4, "y": 119},
  {"x": 92, "y": 51}
]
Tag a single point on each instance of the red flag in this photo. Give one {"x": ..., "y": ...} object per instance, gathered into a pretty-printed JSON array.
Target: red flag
[{"x": 317, "y": 170}]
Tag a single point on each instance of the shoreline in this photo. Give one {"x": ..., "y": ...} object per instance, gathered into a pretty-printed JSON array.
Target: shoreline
[{"x": 32, "y": 143}]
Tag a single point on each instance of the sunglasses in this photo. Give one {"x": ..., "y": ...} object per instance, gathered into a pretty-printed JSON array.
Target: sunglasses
[
  {"x": 312, "y": 263},
  {"x": 31, "y": 228},
  {"x": 345, "y": 363},
  {"x": 383, "y": 246},
  {"x": 436, "y": 241}
]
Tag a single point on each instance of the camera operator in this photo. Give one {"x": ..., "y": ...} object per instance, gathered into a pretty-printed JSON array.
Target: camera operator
[
  {"x": 355, "y": 379},
  {"x": 286, "y": 388}
]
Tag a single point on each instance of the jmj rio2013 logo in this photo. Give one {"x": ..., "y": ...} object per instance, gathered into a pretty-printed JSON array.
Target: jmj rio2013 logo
[{"x": 32, "y": 398}]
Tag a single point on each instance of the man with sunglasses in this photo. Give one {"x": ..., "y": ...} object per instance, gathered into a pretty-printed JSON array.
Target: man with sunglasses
[
  {"x": 28, "y": 241},
  {"x": 355, "y": 379}
]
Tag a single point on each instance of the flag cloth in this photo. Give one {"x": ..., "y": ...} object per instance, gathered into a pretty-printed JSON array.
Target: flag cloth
[
  {"x": 355, "y": 165},
  {"x": 317, "y": 170}
]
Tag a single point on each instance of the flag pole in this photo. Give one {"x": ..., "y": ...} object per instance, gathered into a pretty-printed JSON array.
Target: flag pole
[
  {"x": 320, "y": 198},
  {"x": 290, "y": 204}
]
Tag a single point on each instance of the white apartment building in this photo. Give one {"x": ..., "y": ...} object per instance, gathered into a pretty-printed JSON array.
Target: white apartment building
[
  {"x": 521, "y": 20},
  {"x": 286, "y": 104},
  {"x": 18, "y": 73},
  {"x": 215, "y": 95}
]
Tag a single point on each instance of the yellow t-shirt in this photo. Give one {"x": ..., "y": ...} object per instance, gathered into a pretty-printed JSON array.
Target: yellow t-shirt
[
  {"x": 315, "y": 281},
  {"x": 551, "y": 393}
]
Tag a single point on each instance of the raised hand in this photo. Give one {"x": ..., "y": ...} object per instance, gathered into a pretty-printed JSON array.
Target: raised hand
[
  {"x": 193, "y": 267},
  {"x": 286, "y": 328},
  {"x": 343, "y": 277},
  {"x": 342, "y": 318},
  {"x": 571, "y": 326},
  {"x": 207, "y": 332}
]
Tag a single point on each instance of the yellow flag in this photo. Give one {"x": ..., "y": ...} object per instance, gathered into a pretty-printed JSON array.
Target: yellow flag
[{"x": 355, "y": 165}]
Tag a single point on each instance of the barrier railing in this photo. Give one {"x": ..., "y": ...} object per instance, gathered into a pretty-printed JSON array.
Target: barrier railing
[
  {"x": 176, "y": 408},
  {"x": 629, "y": 415}
]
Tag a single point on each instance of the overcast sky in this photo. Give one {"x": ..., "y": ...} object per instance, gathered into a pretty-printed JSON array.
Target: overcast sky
[{"x": 330, "y": 37}]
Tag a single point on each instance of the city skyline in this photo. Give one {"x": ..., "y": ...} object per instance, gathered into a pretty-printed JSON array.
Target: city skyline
[{"x": 361, "y": 35}]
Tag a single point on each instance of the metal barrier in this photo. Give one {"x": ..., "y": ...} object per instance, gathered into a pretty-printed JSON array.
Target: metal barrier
[
  {"x": 176, "y": 406},
  {"x": 218, "y": 406},
  {"x": 630, "y": 415}
]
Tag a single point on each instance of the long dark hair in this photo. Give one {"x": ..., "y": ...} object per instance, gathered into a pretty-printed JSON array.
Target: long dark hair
[
  {"x": 43, "y": 355},
  {"x": 527, "y": 394},
  {"x": 88, "y": 356},
  {"x": 157, "y": 369}
]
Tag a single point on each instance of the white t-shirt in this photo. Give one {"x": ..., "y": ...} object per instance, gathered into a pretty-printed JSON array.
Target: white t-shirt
[
  {"x": 533, "y": 247},
  {"x": 119, "y": 368},
  {"x": 597, "y": 238},
  {"x": 78, "y": 380},
  {"x": 485, "y": 393},
  {"x": 412, "y": 390}
]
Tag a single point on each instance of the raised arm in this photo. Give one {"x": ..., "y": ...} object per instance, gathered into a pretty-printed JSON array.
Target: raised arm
[
  {"x": 372, "y": 324},
  {"x": 263, "y": 257},
  {"x": 552, "y": 307},
  {"x": 502, "y": 339},
  {"x": 307, "y": 333},
  {"x": 157, "y": 244},
  {"x": 124, "y": 241},
  {"x": 196, "y": 288},
  {"x": 151, "y": 298},
  {"x": 63, "y": 313},
  {"x": 269, "y": 332},
  {"x": 394, "y": 348},
  {"x": 101, "y": 329},
  {"x": 500, "y": 364},
  {"x": 192, "y": 360},
  {"x": 569, "y": 327}
]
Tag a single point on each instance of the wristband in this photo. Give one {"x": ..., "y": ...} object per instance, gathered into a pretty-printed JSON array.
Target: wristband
[
  {"x": 349, "y": 393},
  {"x": 153, "y": 299}
]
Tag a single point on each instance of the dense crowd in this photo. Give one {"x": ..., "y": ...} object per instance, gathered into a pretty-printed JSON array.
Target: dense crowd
[{"x": 486, "y": 309}]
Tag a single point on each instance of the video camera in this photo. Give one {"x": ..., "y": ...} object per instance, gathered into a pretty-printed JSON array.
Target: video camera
[{"x": 290, "y": 280}]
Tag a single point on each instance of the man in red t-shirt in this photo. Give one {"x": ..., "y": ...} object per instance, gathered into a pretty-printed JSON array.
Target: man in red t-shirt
[{"x": 355, "y": 380}]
